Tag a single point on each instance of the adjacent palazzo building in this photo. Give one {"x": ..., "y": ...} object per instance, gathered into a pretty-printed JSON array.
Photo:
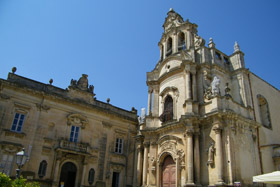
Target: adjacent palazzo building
[
  {"x": 70, "y": 137},
  {"x": 210, "y": 121}
]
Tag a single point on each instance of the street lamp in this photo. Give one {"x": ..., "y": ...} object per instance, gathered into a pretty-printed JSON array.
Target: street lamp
[{"x": 20, "y": 160}]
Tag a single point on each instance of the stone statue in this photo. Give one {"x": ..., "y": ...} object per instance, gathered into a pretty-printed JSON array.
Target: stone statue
[
  {"x": 83, "y": 82},
  {"x": 73, "y": 82},
  {"x": 198, "y": 42},
  {"x": 91, "y": 88},
  {"x": 236, "y": 47},
  {"x": 215, "y": 89},
  {"x": 211, "y": 152}
]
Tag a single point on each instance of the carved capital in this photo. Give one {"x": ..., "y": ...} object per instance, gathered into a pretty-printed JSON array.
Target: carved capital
[
  {"x": 217, "y": 128},
  {"x": 189, "y": 132},
  {"x": 146, "y": 144},
  {"x": 187, "y": 68}
]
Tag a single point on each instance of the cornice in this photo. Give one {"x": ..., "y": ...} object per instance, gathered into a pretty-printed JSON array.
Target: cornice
[{"x": 107, "y": 108}]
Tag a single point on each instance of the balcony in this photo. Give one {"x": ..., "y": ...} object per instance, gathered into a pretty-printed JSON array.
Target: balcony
[{"x": 67, "y": 146}]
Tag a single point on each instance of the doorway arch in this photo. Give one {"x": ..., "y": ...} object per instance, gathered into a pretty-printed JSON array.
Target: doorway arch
[
  {"x": 68, "y": 174},
  {"x": 168, "y": 174}
]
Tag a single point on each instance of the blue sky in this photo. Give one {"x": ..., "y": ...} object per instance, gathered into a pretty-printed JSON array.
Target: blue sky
[{"x": 115, "y": 42}]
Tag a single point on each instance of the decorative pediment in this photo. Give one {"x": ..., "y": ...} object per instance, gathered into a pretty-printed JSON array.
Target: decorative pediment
[
  {"x": 169, "y": 138},
  {"x": 77, "y": 120},
  {"x": 168, "y": 89},
  {"x": 173, "y": 20}
]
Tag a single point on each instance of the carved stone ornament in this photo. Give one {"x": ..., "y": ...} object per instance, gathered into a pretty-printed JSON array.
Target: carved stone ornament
[
  {"x": 189, "y": 132},
  {"x": 198, "y": 42},
  {"x": 211, "y": 152},
  {"x": 215, "y": 86},
  {"x": 181, "y": 156},
  {"x": 77, "y": 120},
  {"x": 173, "y": 20},
  {"x": 82, "y": 84},
  {"x": 217, "y": 129},
  {"x": 42, "y": 107},
  {"x": 213, "y": 90},
  {"x": 168, "y": 146}
]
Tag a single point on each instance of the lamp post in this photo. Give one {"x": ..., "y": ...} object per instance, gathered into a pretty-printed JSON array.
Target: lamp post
[{"x": 20, "y": 160}]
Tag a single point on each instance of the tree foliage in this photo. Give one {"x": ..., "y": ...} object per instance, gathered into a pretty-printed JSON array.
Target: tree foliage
[{"x": 20, "y": 182}]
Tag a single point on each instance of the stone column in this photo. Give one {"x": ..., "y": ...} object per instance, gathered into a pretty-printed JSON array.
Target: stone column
[
  {"x": 188, "y": 83},
  {"x": 139, "y": 164},
  {"x": 149, "y": 101},
  {"x": 83, "y": 174},
  {"x": 219, "y": 153},
  {"x": 56, "y": 175},
  {"x": 145, "y": 164},
  {"x": 175, "y": 43},
  {"x": 164, "y": 49},
  {"x": 189, "y": 135},
  {"x": 194, "y": 89},
  {"x": 196, "y": 159},
  {"x": 155, "y": 101},
  {"x": 135, "y": 166}
]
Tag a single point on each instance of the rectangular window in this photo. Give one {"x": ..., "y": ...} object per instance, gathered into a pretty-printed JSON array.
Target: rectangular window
[
  {"x": 119, "y": 146},
  {"x": 74, "y": 134},
  {"x": 6, "y": 164},
  {"x": 18, "y": 122}
]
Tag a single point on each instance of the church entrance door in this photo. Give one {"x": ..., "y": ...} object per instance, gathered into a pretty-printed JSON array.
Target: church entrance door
[
  {"x": 168, "y": 172},
  {"x": 68, "y": 175}
]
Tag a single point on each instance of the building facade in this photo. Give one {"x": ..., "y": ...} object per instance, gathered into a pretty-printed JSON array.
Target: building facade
[
  {"x": 210, "y": 121},
  {"x": 70, "y": 138}
]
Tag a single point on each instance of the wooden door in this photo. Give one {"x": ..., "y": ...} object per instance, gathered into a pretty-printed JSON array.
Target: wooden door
[{"x": 168, "y": 172}]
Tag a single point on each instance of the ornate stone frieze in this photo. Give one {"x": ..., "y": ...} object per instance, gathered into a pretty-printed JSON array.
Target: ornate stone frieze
[
  {"x": 42, "y": 107},
  {"x": 10, "y": 147},
  {"x": 77, "y": 120}
]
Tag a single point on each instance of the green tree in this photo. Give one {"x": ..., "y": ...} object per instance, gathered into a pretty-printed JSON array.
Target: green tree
[{"x": 5, "y": 181}]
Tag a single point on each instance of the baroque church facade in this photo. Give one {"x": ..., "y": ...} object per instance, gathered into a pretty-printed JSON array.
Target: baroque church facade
[{"x": 209, "y": 122}]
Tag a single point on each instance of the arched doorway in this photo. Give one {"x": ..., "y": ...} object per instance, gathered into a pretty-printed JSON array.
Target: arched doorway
[
  {"x": 68, "y": 175},
  {"x": 168, "y": 178}
]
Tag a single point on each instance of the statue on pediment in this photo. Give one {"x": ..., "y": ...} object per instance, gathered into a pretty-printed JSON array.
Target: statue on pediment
[{"x": 83, "y": 82}]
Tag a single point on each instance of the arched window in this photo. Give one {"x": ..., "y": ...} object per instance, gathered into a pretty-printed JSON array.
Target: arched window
[
  {"x": 181, "y": 41},
  {"x": 167, "y": 114},
  {"x": 169, "y": 47},
  {"x": 91, "y": 176},
  {"x": 42, "y": 169},
  {"x": 264, "y": 112}
]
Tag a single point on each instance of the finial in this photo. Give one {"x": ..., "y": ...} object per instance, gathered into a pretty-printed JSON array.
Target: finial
[
  {"x": 211, "y": 44},
  {"x": 236, "y": 47},
  {"x": 108, "y": 100},
  {"x": 211, "y": 40},
  {"x": 51, "y": 81},
  {"x": 14, "y": 69},
  {"x": 171, "y": 10}
]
